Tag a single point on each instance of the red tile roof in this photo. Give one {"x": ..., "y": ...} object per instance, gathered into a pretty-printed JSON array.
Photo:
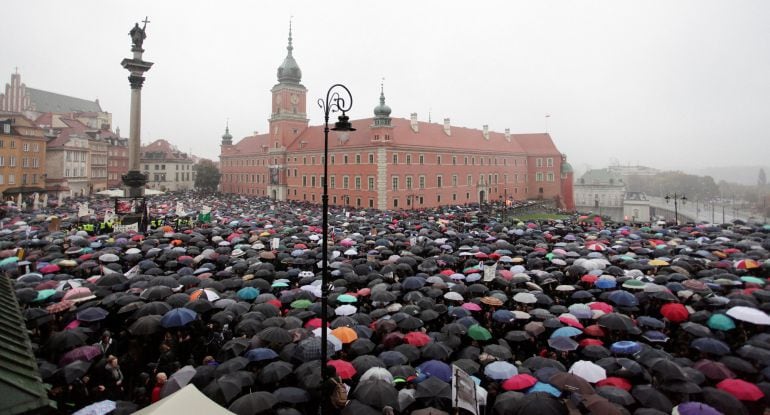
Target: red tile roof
[
  {"x": 169, "y": 151},
  {"x": 428, "y": 135}
]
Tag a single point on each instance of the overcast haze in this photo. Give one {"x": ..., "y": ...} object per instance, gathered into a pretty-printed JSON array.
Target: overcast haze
[{"x": 666, "y": 84}]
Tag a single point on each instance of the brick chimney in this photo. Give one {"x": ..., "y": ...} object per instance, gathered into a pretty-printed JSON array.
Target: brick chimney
[
  {"x": 413, "y": 122},
  {"x": 447, "y": 127},
  {"x": 485, "y": 131}
]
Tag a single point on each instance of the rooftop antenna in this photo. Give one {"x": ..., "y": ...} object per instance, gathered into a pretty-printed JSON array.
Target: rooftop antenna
[{"x": 547, "y": 116}]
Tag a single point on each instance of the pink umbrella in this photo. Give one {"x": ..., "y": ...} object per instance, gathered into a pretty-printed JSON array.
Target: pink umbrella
[
  {"x": 471, "y": 306},
  {"x": 83, "y": 353},
  {"x": 79, "y": 294}
]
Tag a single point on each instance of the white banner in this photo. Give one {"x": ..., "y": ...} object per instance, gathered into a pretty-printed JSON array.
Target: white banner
[
  {"x": 464, "y": 391},
  {"x": 126, "y": 228},
  {"x": 83, "y": 210},
  {"x": 180, "y": 209},
  {"x": 489, "y": 272},
  {"x": 109, "y": 214},
  {"x": 275, "y": 243}
]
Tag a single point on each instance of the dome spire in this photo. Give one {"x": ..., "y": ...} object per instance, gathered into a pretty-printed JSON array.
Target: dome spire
[
  {"x": 227, "y": 138},
  {"x": 382, "y": 111},
  {"x": 289, "y": 71}
]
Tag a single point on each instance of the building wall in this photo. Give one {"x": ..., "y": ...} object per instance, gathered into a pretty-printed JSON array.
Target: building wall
[
  {"x": 117, "y": 163},
  {"x": 168, "y": 175},
  {"x": 22, "y": 157},
  {"x": 609, "y": 198},
  {"x": 636, "y": 211}
]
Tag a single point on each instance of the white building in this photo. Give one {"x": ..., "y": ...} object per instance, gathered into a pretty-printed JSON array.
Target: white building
[
  {"x": 600, "y": 191},
  {"x": 167, "y": 168}
]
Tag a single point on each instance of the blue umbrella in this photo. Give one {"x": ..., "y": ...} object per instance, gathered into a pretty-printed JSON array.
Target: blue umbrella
[
  {"x": 500, "y": 370},
  {"x": 436, "y": 368},
  {"x": 623, "y": 299},
  {"x": 260, "y": 354},
  {"x": 413, "y": 283},
  {"x": 655, "y": 336},
  {"x": 625, "y": 347},
  {"x": 503, "y": 316},
  {"x": 710, "y": 345},
  {"x": 248, "y": 293},
  {"x": 651, "y": 322},
  {"x": 568, "y": 331},
  {"x": 544, "y": 387},
  {"x": 605, "y": 284},
  {"x": 92, "y": 314},
  {"x": 178, "y": 317}
]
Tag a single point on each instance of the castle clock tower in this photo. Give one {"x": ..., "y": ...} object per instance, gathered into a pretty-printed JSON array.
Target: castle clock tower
[{"x": 289, "y": 110}]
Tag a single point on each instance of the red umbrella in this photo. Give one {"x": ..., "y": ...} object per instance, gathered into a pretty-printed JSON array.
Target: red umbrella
[
  {"x": 590, "y": 342},
  {"x": 313, "y": 323},
  {"x": 345, "y": 369},
  {"x": 417, "y": 338},
  {"x": 519, "y": 382},
  {"x": 675, "y": 312},
  {"x": 594, "y": 330},
  {"x": 601, "y": 306},
  {"x": 616, "y": 382},
  {"x": 50, "y": 269},
  {"x": 741, "y": 389},
  {"x": 571, "y": 322},
  {"x": 589, "y": 278}
]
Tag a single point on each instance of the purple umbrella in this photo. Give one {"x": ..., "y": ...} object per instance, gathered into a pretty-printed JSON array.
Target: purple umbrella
[
  {"x": 436, "y": 368},
  {"x": 694, "y": 408},
  {"x": 82, "y": 353}
]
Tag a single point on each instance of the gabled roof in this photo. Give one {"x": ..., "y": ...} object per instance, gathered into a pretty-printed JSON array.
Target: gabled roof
[
  {"x": 44, "y": 101},
  {"x": 73, "y": 127},
  {"x": 20, "y": 384},
  {"x": 163, "y": 148}
]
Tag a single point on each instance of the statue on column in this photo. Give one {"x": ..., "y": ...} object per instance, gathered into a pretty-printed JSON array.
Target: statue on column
[{"x": 138, "y": 35}]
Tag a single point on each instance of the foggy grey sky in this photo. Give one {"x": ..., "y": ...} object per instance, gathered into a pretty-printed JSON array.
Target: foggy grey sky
[{"x": 682, "y": 84}]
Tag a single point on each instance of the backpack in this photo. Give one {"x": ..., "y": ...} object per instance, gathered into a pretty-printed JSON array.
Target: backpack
[{"x": 339, "y": 397}]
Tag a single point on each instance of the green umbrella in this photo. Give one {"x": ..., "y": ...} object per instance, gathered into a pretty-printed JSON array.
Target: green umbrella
[
  {"x": 9, "y": 260},
  {"x": 303, "y": 303},
  {"x": 347, "y": 298},
  {"x": 754, "y": 280},
  {"x": 44, "y": 295},
  {"x": 477, "y": 332},
  {"x": 280, "y": 284},
  {"x": 720, "y": 322}
]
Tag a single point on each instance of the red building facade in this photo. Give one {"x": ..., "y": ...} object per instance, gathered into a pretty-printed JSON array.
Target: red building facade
[{"x": 388, "y": 163}]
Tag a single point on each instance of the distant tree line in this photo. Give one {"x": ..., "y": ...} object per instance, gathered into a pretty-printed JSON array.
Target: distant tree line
[{"x": 669, "y": 182}]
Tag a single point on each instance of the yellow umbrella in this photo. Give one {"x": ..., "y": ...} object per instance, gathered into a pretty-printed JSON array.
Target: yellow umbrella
[{"x": 658, "y": 263}]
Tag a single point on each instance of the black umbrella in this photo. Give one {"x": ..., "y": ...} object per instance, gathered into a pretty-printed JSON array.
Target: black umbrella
[
  {"x": 650, "y": 397},
  {"x": 435, "y": 350},
  {"x": 253, "y": 403},
  {"x": 232, "y": 365},
  {"x": 146, "y": 325},
  {"x": 618, "y": 322},
  {"x": 74, "y": 370},
  {"x": 203, "y": 376},
  {"x": 616, "y": 395},
  {"x": 539, "y": 403},
  {"x": 292, "y": 395},
  {"x": 723, "y": 401},
  {"x": 363, "y": 346},
  {"x": 537, "y": 362},
  {"x": 377, "y": 393},
  {"x": 223, "y": 390},
  {"x": 65, "y": 340},
  {"x": 275, "y": 335},
  {"x": 274, "y": 372},
  {"x": 506, "y": 402},
  {"x": 366, "y": 362}
]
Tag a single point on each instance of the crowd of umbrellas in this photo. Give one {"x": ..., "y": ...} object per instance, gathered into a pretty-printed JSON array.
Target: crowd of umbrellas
[{"x": 547, "y": 317}]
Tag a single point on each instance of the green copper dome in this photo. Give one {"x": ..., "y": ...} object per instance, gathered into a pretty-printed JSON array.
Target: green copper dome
[
  {"x": 566, "y": 168},
  {"x": 289, "y": 71},
  {"x": 382, "y": 110}
]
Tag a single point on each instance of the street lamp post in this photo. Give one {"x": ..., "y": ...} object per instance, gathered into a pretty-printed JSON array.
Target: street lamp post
[
  {"x": 676, "y": 199},
  {"x": 338, "y": 98}
]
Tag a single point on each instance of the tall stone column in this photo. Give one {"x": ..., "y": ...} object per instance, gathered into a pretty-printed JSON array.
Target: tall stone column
[{"x": 135, "y": 180}]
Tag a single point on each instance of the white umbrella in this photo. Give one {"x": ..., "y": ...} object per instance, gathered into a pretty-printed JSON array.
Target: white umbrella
[
  {"x": 749, "y": 315},
  {"x": 526, "y": 298},
  {"x": 454, "y": 296},
  {"x": 330, "y": 337},
  {"x": 589, "y": 371},
  {"x": 345, "y": 310},
  {"x": 97, "y": 408},
  {"x": 379, "y": 373}
]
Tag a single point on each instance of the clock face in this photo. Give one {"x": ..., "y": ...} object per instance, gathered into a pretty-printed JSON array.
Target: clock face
[{"x": 294, "y": 98}]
